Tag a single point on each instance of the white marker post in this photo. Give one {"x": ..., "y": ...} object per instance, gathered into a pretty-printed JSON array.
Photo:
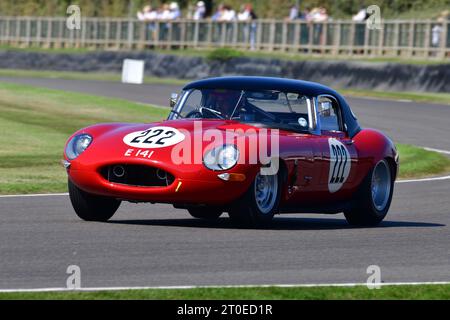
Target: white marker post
[{"x": 133, "y": 71}]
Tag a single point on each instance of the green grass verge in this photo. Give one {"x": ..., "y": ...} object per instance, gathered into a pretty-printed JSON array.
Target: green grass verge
[
  {"x": 416, "y": 162},
  {"x": 36, "y": 122},
  {"x": 426, "y": 97},
  {"x": 296, "y": 56},
  {"x": 74, "y": 75},
  {"x": 32, "y": 48},
  {"x": 410, "y": 292},
  {"x": 441, "y": 98}
]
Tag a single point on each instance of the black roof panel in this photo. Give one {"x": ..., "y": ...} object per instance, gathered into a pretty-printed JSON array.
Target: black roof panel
[
  {"x": 261, "y": 83},
  {"x": 280, "y": 84}
]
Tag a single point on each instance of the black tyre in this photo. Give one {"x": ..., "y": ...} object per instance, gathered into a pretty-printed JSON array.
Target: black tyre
[
  {"x": 260, "y": 203},
  {"x": 90, "y": 207},
  {"x": 206, "y": 213},
  {"x": 374, "y": 197}
]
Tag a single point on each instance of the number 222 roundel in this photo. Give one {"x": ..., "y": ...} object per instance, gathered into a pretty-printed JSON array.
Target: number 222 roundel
[
  {"x": 153, "y": 138},
  {"x": 340, "y": 165}
]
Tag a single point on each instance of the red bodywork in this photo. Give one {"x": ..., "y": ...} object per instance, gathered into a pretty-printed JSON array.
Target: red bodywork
[{"x": 305, "y": 159}]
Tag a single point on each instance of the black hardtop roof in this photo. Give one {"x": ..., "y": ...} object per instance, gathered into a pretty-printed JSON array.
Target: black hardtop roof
[
  {"x": 262, "y": 83},
  {"x": 279, "y": 84}
]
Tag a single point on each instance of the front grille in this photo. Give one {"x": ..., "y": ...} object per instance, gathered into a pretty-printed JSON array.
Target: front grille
[{"x": 137, "y": 175}]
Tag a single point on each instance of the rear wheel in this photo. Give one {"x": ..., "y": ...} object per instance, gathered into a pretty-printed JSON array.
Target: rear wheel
[
  {"x": 374, "y": 197},
  {"x": 206, "y": 213},
  {"x": 260, "y": 203},
  {"x": 90, "y": 207}
]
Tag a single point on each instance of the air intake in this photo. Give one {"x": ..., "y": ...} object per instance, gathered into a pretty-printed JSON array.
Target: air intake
[{"x": 137, "y": 175}]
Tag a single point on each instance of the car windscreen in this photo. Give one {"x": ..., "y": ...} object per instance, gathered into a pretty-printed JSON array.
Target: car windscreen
[{"x": 268, "y": 107}]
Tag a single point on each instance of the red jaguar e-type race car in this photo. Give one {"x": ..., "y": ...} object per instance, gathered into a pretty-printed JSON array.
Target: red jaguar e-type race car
[{"x": 249, "y": 146}]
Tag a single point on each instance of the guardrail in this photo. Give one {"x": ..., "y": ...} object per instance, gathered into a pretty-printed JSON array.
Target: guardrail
[{"x": 396, "y": 38}]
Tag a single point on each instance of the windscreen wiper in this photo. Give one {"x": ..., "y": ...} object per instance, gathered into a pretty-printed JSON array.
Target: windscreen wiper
[
  {"x": 217, "y": 113},
  {"x": 237, "y": 104}
]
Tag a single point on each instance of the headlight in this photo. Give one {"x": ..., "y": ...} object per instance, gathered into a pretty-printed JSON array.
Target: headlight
[
  {"x": 221, "y": 158},
  {"x": 77, "y": 145}
]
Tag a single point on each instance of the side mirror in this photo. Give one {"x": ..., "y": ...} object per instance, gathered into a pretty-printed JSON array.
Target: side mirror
[{"x": 173, "y": 99}]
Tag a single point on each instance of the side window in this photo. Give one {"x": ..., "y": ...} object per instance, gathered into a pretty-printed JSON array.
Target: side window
[{"x": 329, "y": 114}]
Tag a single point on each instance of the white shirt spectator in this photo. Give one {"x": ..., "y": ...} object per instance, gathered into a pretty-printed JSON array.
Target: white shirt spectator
[
  {"x": 229, "y": 15},
  {"x": 436, "y": 35},
  {"x": 147, "y": 15},
  {"x": 164, "y": 15},
  {"x": 293, "y": 13},
  {"x": 318, "y": 15},
  {"x": 360, "y": 16},
  {"x": 174, "y": 12},
  {"x": 200, "y": 11},
  {"x": 244, "y": 16}
]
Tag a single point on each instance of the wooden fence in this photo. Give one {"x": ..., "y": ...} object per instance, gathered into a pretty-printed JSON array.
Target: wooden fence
[{"x": 396, "y": 38}]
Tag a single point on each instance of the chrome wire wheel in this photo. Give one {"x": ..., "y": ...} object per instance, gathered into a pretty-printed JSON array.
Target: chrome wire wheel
[
  {"x": 381, "y": 185},
  {"x": 266, "y": 188}
]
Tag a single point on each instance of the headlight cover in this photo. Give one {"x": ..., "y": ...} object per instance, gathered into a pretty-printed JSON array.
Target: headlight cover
[
  {"x": 221, "y": 158},
  {"x": 77, "y": 145}
]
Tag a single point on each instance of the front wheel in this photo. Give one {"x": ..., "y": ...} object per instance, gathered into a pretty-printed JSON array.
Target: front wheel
[
  {"x": 90, "y": 207},
  {"x": 205, "y": 213},
  {"x": 374, "y": 197},
  {"x": 260, "y": 203}
]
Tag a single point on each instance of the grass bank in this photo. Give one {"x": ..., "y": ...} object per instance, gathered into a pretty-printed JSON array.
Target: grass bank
[{"x": 35, "y": 124}]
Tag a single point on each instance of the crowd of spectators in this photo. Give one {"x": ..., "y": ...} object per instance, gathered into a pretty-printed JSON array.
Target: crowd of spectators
[
  {"x": 317, "y": 14},
  {"x": 225, "y": 13},
  {"x": 168, "y": 12},
  {"x": 165, "y": 12}
]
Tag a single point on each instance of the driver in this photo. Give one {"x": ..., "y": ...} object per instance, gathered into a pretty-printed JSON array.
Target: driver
[{"x": 224, "y": 101}]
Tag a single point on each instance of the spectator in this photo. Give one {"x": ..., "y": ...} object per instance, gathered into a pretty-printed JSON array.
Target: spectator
[
  {"x": 217, "y": 16},
  {"x": 293, "y": 13},
  {"x": 147, "y": 14},
  {"x": 318, "y": 15},
  {"x": 248, "y": 15},
  {"x": 304, "y": 15},
  {"x": 360, "y": 16},
  {"x": 436, "y": 32},
  {"x": 174, "y": 11},
  {"x": 164, "y": 12},
  {"x": 360, "y": 27},
  {"x": 200, "y": 11},
  {"x": 228, "y": 14}
]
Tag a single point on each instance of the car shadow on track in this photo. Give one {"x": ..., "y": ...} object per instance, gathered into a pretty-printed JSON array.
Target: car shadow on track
[{"x": 277, "y": 224}]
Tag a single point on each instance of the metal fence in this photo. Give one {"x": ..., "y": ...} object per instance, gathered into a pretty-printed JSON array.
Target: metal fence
[{"x": 396, "y": 38}]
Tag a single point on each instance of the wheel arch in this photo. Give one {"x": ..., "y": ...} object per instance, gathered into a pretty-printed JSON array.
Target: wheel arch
[
  {"x": 373, "y": 146},
  {"x": 393, "y": 166}
]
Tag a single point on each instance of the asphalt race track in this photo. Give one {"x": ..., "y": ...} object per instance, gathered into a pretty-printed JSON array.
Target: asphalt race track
[{"x": 156, "y": 245}]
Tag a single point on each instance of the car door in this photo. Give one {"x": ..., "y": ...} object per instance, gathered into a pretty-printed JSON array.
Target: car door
[
  {"x": 337, "y": 151},
  {"x": 302, "y": 151}
]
